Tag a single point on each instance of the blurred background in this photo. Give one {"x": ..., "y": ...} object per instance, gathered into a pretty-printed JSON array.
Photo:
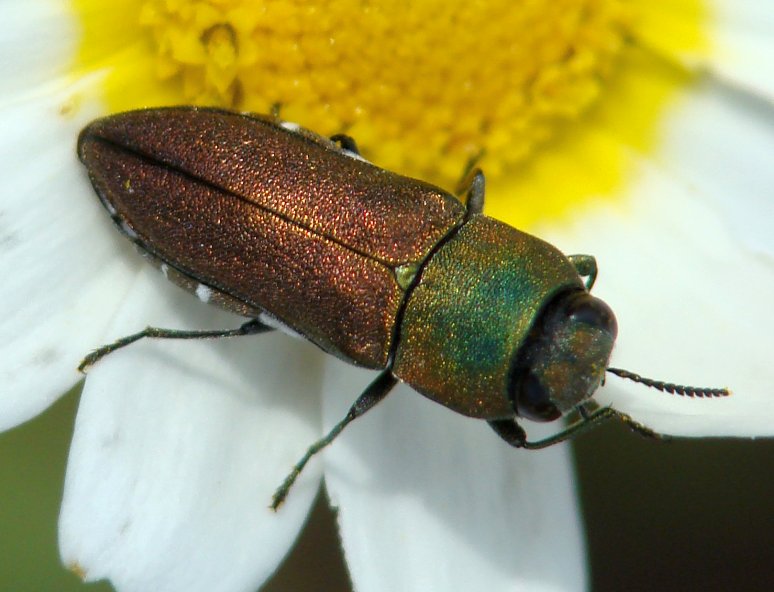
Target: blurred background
[{"x": 684, "y": 515}]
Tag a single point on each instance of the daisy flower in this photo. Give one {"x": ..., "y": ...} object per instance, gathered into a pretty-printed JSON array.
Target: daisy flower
[{"x": 640, "y": 134}]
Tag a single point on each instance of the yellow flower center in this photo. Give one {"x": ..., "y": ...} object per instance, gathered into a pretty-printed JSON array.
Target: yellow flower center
[
  {"x": 452, "y": 79},
  {"x": 423, "y": 86}
]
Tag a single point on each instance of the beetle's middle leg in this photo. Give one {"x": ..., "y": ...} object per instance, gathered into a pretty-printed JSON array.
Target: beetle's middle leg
[
  {"x": 249, "y": 328},
  {"x": 471, "y": 186},
  {"x": 346, "y": 142},
  {"x": 375, "y": 392},
  {"x": 514, "y": 434},
  {"x": 471, "y": 190}
]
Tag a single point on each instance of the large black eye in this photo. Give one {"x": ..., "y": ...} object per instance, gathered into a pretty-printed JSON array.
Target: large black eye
[
  {"x": 533, "y": 401},
  {"x": 584, "y": 308}
]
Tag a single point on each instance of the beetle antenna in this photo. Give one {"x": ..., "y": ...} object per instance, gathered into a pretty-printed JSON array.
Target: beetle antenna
[{"x": 671, "y": 388}]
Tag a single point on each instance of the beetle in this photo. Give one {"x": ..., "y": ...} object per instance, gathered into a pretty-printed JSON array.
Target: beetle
[{"x": 299, "y": 232}]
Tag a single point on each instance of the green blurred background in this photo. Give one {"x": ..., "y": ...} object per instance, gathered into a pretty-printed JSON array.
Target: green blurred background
[{"x": 686, "y": 515}]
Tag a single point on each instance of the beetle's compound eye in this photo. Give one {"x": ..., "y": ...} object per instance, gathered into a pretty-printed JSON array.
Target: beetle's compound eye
[{"x": 564, "y": 358}]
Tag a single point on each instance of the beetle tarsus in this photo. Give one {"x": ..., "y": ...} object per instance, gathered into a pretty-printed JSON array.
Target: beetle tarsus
[
  {"x": 375, "y": 392},
  {"x": 251, "y": 327}
]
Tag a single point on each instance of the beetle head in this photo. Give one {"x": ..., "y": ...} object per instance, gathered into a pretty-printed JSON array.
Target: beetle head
[{"x": 563, "y": 360}]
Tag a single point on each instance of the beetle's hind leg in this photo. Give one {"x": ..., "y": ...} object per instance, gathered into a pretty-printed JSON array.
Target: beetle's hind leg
[
  {"x": 514, "y": 434},
  {"x": 249, "y": 328},
  {"x": 375, "y": 392}
]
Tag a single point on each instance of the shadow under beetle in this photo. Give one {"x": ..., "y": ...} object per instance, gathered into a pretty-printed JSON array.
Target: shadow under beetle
[{"x": 297, "y": 231}]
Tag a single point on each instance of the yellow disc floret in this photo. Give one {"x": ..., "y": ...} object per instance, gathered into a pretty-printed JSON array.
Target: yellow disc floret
[
  {"x": 454, "y": 79},
  {"x": 424, "y": 86}
]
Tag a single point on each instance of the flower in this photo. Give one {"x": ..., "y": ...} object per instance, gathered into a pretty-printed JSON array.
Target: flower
[{"x": 632, "y": 133}]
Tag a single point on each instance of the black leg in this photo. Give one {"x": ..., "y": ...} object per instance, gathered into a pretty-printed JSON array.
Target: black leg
[
  {"x": 375, "y": 392},
  {"x": 471, "y": 190},
  {"x": 249, "y": 328},
  {"x": 510, "y": 431},
  {"x": 514, "y": 434},
  {"x": 346, "y": 142},
  {"x": 586, "y": 266}
]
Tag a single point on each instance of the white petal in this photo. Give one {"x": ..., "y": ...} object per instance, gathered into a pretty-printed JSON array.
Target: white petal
[
  {"x": 742, "y": 33},
  {"x": 722, "y": 144},
  {"x": 693, "y": 307},
  {"x": 62, "y": 280},
  {"x": 431, "y": 500},
  {"x": 178, "y": 448},
  {"x": 37, "y": 42}
]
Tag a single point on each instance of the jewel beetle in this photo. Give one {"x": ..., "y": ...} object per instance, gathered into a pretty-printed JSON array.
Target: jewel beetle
[{"x": 298, "y": 232}]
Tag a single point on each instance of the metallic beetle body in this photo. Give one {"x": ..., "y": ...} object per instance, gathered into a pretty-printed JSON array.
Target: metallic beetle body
[
  {"x": 471, "y": 311},
  {"x": 379, "y": 269},
  {"x": 299, "y": 232}
]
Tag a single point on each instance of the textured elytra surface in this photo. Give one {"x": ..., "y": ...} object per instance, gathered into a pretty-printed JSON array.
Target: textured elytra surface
[
  {"x": 295, "y": 174},
  {"x": 279, "y": 220}
]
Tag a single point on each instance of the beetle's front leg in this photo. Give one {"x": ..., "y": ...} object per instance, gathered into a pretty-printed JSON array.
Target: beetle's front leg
[
  {"x": 586, "y": 266},
  {"x": 514, "y": 434},
  {"x": 510, "y": 431}
]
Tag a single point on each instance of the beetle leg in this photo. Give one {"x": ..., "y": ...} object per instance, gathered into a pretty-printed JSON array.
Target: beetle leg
[
  {"x": 346, "y": 142},
  {"x": 586, "y": 266},
  {"x": 514, "y": 434},
  {"x": 375, "y": 392},
  {"x": 471, "y": 190},
  {"x": 510, "y": 431},
  {"x": 249, "y": 328}
]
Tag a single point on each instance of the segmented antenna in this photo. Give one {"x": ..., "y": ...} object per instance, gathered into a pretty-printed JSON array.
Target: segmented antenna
[{"x": 671, "y": 388}]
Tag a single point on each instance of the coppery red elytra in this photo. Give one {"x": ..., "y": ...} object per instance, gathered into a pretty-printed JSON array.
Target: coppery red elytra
[{"x": 296, "y": 231}]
